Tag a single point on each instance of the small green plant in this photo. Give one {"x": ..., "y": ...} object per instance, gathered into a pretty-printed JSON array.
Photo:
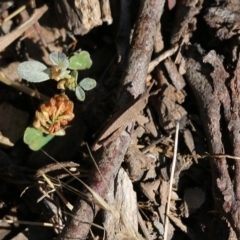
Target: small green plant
[
  {"x": 54, "y": 115},
  {"x": 36, "y": 139},
  {"x": 64, "y": 71}
]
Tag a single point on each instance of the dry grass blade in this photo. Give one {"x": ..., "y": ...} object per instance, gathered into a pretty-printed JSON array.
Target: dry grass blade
[
  {"x": 31, "y": 223},
  {"x": 132, "y": 233},
  {"x": 171, "y": 181},
  {"x": 13, "y": 14},
  {"x": 68, "y": 204},
  {"x": 96, "y": 197}
]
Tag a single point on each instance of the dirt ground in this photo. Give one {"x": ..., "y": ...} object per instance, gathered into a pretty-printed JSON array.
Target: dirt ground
[{"x": 153, "y": 150}]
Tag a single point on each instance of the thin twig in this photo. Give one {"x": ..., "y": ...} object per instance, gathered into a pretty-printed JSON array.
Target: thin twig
[
  {"x": 9, "y": 38},
  {"x": 162, "y": 57},
  {"x": 68, "y": 204},
  {"x": 13, "y": 14},
  {"x": 43, "y": 224},
  {"x": 22, "y": 88},
  {"x": 171, "y": 182},
  {"x": 54, "y": 167},
  {"x": 197, "y": 156},
  {"x": 143, "y": 227}
]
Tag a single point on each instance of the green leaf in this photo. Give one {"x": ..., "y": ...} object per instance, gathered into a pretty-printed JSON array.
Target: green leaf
[
  {"x": 88, "y": 84},
  {"x": 35, "y": 139},
  {"x": 80, "y": 93},
  {"x": 80, "y": 61},
  {"x": 59, "y": 59},
  {"x": 33, "y": 71},
  {"x": 65, "y": 74},
  {"x": 74, "y": 73}
]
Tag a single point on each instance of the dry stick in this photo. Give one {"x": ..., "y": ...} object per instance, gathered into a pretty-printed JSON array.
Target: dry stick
[
  {"x": 198, "y": 76},
  {"x": 162, "y": 57},
  {"x": 171, "y": 182},
  {"x": 143, "y": 227},
  {"x": 197, "y": 156},
  {"x": 230, "y": 107},
  {"x": 54, "y": 167},
  {"x": 9, "y": 38},
  {"x": 13, "y": 14},
  {"x": 112, "y": 157},
  {"x": 234, "y": 128},
  {"x": 22, "y": 88}
]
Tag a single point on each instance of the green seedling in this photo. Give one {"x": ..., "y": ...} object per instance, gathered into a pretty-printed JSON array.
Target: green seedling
[
  {"x": 80, "y": 61},
  {"x": 64, "y": 70},
  {"x": 35, "y": 138},
  {"x": 33, "y": 71},
  {"x": 86, "y": 84}
]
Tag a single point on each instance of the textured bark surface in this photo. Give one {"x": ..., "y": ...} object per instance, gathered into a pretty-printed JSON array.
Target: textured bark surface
[
  {"x": 81, "y": 16},
  {"x": 121, "y": 197},
  {"x": 112, "y": 156},
  {"x": 212, "y": 94}
]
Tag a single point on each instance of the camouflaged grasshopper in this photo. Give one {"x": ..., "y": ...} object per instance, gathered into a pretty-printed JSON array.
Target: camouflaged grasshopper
[{"x": 118, "y": 123}]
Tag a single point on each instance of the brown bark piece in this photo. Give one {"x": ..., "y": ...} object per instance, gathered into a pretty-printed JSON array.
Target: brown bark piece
[
  {"x": 230, "y": 106},
  {"x": 209, "y": 100},
  {"x": 150, "y": 189},
  {"x": 121, "y": 197},
  {"x": 169, "y": 112},
  {"x": 81, "y": 16},
  {"x": 173, "y": 94},
  {"x": 177, "y": 79},
  {"x": 188, "y": 139},
  {"x": 225, "y": 19},
  {"x": 137, "y": 163},
  {"x": 151, "y": 125},
  {"x": 185, "y": 21},
  {"x": 234, "y": 125}
]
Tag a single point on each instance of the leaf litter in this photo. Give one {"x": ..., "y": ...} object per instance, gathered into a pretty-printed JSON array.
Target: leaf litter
[{"x": 139, "y": 192}]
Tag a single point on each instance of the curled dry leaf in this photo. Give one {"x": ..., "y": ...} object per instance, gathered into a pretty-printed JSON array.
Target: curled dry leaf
[{"x": 54, "y": 115}]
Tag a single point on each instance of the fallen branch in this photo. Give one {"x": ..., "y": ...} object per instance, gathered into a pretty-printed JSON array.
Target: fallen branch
[
  {"x": 212, "y": 95},
  {"x": 112, "y": 156}
]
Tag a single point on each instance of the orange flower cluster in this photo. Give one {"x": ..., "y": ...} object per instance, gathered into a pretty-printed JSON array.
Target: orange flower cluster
[{"x": 54, "y": 115}]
